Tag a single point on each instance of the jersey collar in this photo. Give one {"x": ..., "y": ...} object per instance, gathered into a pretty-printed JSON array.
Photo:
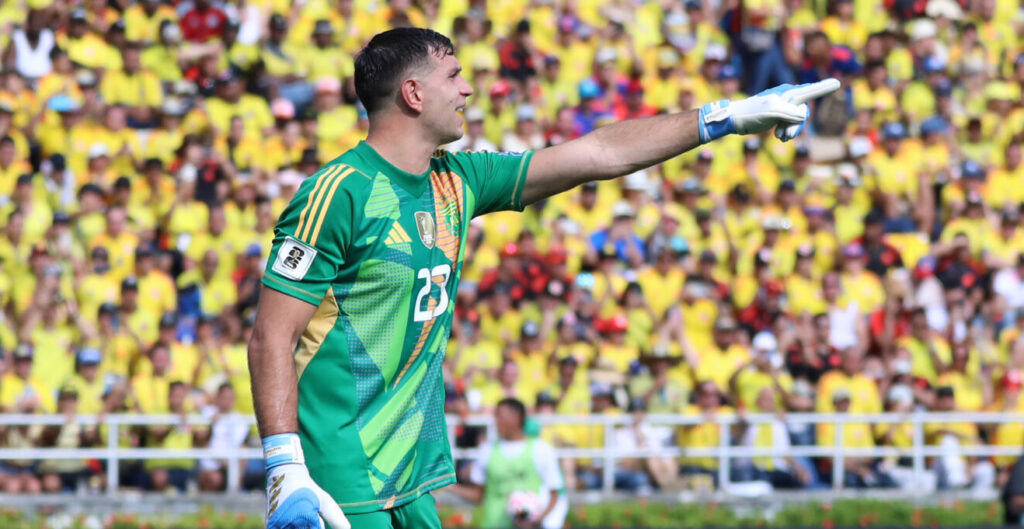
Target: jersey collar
[{"x": 415, "y": 184}]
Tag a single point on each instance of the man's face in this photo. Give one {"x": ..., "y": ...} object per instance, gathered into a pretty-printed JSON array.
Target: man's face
[
  {"x": 226, "y": 400},
  {"x": 217, "y": 221},
  {"x": 507, "y": 421},
  {"x": 23, "y": 367},
  {"x": 443, "y": 92},
  {"x": 130, "y": 57},
  {"x": 115, "y": 221}
]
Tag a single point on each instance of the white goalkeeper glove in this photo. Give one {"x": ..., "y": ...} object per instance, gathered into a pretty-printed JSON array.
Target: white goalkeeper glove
[
  {"x": 294, "y": 501},
  {"x": 783, "y": 107}
]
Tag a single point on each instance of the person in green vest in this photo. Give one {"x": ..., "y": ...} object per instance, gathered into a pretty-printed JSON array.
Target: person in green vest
[{"x": 516, "y": 478}]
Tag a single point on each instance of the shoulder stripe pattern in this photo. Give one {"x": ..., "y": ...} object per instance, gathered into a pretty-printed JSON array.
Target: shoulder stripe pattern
[
  {"x": 327, "y": 204},
  {"x": 312, "y": 216}
]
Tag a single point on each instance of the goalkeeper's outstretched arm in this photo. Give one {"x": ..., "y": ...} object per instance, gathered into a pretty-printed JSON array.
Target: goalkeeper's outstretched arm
[{"x": 631, "y": 145}]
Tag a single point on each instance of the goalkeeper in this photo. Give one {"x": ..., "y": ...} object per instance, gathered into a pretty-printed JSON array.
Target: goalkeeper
[{"x": 356, "y": 304}]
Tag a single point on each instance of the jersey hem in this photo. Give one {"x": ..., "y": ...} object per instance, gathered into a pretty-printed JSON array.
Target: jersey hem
[{"x": 394, "y": 502}]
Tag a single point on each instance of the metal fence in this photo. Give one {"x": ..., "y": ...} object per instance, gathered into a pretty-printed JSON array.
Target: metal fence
[{"x": 725, "y": 452}]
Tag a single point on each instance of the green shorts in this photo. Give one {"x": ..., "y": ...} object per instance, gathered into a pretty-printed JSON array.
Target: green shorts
[{"x": 418, "y": 514}]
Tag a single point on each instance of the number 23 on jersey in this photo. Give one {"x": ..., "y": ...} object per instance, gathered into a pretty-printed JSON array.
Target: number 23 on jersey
[{"x": 423, "y": 309}]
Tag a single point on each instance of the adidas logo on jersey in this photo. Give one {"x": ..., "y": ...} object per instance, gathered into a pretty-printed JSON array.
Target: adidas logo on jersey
[{"x": 397, "y": 235}]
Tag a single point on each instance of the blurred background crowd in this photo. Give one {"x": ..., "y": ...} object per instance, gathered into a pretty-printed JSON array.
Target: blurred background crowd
[{"x": 874, "y": 264}]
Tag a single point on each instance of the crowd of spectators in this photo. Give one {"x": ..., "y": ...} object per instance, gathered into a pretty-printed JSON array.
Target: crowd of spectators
[{"x": 875, "y": 263}]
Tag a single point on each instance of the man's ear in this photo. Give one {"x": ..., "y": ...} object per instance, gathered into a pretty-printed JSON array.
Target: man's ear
[{"x": 411, "y": 92}]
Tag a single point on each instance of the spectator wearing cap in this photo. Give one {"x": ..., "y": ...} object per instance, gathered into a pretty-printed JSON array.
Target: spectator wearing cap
[
  {"x": 1008, "y": 433},
  {"x": 119, "y": 242},
  {"x": 527, "y": 133},
  {"x": 519, "y": 58},
  {"x": 61, "y": 78},
  {"x": 663, "y": 86},
  {"x": 499, "y": 114},
  {"x": 642, "y": 322},
  {"x": 710, "y": 405},
  {"x": 632, "y": 105},
  {"x": 21, "y": 391},
  {"x": 98, "y": 285},
  {"x": 532, "y": 355},
  {"x": 556, "y": 90},
  {"x": 880, "y": 256},
  {"x": 765, "y": 370},
  {"x": 590, "y": 111},
  {"x": 87, "y": 381},
  {"x": 500, "y": 319},
  {"x": 142, "y": 323},
  {"x": 232, "y": 100},
  {"x": 157, "y": 291},
  {"x": 775, "y": 238},
  {"x": 661, "y": 392},
  {"x": 661, "y": 284},
  {"x": 892, "y": 164},
  {"x": 120, "y": 347},
  {"x": 588, "y": 209},
  {"x": 718, "y": 360},
  {"x": 858, "y": 472},
  {"x": 621, "y": 236},
  {"x": 474, "y": 139},
  {"x": 570, "y": 388},
  {"x": 167, "y": 473},
  {"x": 84, "y": 45},
  {"x": 65, "y": 475},
  {"x": 474, "y": 360},
  {"x": 614, "y": 349},
  {"x": 803, "y": 286},
  {"x": 849, "y": 379},
  {"x": 7, "y": 128},
  {"x": 955, "y": 470},
  {"x": 325, "y": 59},
  {"x": 860, "y": 285}
]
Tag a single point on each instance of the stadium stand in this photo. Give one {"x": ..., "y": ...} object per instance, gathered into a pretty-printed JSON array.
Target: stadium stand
[{"x": 874, "y": 264}]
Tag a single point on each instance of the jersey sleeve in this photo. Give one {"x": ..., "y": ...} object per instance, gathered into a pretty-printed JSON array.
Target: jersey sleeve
[
  {"x": 495, "y": 180},
  {"x": 312, "y": 236}
]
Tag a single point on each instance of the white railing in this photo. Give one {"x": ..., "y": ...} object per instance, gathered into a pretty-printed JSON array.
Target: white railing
[{"x": 113, "y": 454}]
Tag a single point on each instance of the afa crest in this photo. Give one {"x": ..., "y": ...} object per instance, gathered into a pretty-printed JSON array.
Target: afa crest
[{"x": 426, "y": 228}]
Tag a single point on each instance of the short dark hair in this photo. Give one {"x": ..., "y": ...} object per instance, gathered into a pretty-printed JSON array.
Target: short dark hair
[
  {"x": 390, "y": 55},
  {"x": 517, "y": 406}
]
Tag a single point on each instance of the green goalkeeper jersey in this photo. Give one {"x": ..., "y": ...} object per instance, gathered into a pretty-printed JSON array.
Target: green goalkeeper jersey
[{"x": 379, "y": 252}]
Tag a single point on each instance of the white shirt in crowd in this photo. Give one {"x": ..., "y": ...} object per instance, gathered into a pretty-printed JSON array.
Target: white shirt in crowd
[{"x": 228, "y": 432}]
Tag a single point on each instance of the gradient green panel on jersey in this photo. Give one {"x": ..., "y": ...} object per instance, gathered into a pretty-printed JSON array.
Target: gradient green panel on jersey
[{"x": 379, "y": 252}]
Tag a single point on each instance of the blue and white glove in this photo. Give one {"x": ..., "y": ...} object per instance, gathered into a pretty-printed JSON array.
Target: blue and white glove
[
  {"x": 783, "y": 107},
  {"x": 293, "y": 500}
]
